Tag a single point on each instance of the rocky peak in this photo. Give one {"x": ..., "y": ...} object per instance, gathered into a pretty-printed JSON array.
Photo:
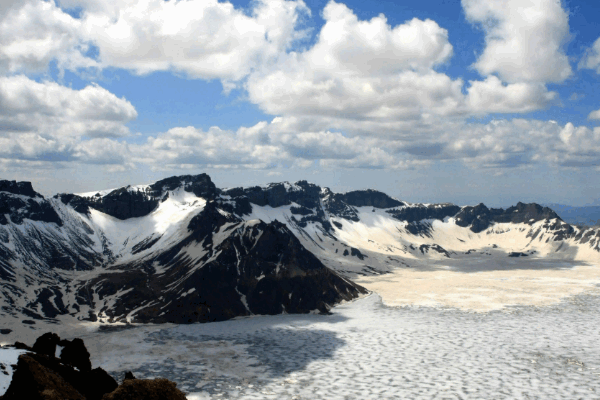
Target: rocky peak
[
  {"x": 18, "y": 201},
  {"x": 369, "y": 198},
  {"x": 138, "y": 201},
  {"x": 279, "y": 194},
  {"x": 21, "y": 188},
  {"x": 481, "y": 217},
  {"x": 201, "y": 185}
]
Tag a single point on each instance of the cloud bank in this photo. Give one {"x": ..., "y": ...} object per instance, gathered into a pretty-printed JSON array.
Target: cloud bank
[{"x": 365, "y": 94}]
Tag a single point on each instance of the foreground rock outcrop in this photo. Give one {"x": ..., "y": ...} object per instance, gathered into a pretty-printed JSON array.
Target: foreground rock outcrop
[
  {"x": 147, "y": 389},
  {"x": 41, "y": 375}
]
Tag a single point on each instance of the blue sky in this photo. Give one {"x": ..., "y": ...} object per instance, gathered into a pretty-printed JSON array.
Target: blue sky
[{"x": 479, "y": 100}]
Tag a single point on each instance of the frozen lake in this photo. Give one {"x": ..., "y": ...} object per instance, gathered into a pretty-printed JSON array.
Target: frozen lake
[{"x": 366, "y": 350}]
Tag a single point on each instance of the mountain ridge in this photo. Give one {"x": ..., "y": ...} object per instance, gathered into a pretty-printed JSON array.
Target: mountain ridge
[{"x": 182, "y": 250}]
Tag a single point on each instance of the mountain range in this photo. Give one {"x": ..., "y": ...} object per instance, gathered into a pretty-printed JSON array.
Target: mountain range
[{"x": 182, "y": 250}]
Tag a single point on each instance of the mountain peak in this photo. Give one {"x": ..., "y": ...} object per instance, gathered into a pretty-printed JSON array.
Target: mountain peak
[{"x": 20, "y": 188}]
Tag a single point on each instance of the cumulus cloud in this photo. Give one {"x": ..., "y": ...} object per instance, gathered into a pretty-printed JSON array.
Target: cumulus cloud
[
  {"x": 591, "y": 59},
  {"x": 499, "y": 144},
  {"x": 361, "y": 70},
  {"x": 367, "y": 76},
  {"x": 594, "y": 115},
  {"x": 491, "y": 95},
  {"x": 365, "y": 95},
  {"x": 51, "y": 109},
  {"x": 204, "y": 39},
  {"x": 34, "y": 33},
  {"x": 523, "y": 39},
  {"x": 48, "y": 122}
]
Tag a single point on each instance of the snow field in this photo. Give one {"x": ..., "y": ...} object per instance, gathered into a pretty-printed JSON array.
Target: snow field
[
  {"x": 8, "y": 357},
  {"x": 493, "y": 287},
  {"x": 366, "y": 350}
]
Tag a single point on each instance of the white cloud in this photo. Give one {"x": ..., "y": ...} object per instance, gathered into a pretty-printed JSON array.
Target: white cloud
[
  {"x": 499, "y": 144},
  {"x": 594, "y": 115},
  {"x": 362, "y": 70},
  {"x": 491, "y": 95},
  {"x": 367, "y": 77},
  {"x": 103, "y": 151},
  {"x": 591, "y": 59},
  {"x": 33, "y": 33},
  {"x": 45, "y": 121},
  {"x": 191, "y": 146},
  {"x": 374, "y": 47},
  {"x": 51, "y": 109},
  {"x": 203, "y": 39},
  {"x": 524, "y": 39}
]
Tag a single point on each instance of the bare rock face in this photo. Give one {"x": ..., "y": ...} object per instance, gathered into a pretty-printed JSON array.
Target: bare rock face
[
  {"x": 129, "y": 375},
  {"x": 73, "y": 370},
  {"x": 146, "y": 389},
  {"x": 32, "y": 380},
  {"x": 96, "y": 383},
  {"x": 75, "y": 354},
  {"x": 46, "y": 344}
]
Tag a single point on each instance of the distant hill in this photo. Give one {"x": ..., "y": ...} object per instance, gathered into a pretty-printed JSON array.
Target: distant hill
[{"x": 587, "y": 215}]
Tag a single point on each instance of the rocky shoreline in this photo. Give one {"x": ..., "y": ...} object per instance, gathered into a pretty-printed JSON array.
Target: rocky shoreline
[{"x": 59, "y": 369}]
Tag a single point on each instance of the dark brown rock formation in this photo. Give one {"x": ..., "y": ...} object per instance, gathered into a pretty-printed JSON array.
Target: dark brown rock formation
[
  {"x": 33, "y": 381},
  {"x": 146, "y": 389}
]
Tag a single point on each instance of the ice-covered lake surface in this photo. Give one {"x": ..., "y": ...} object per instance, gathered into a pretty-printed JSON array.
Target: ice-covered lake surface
[{"x": 366, "y": 350}]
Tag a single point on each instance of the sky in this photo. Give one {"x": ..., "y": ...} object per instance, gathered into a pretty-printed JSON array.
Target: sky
[{"x": 470, "y": 101}]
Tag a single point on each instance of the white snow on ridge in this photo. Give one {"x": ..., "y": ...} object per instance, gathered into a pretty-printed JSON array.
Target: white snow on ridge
[
  {"x": 386, "y": 244},
  {"x": 102, "y": 193},
  {"x": 168, "y": 222}
]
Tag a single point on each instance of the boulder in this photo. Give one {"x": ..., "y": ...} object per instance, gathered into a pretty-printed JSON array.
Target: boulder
[
  {"x": 46, "y": 344},
  {"x": 129, "y": 375},
  {"x": 31, "y": 380},
  {"x": 22, "y": 346},
  {"x": 146, "y": 389},
  {"x": 75, "y": 354},
  {"x": 96, "y": 383}
]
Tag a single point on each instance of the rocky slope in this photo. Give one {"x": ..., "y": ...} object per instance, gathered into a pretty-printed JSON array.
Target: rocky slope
[{"x": 182, "y": 250}]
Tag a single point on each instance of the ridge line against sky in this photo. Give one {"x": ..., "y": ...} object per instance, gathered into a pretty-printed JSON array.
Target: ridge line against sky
[{"x": 482, "y": 100}]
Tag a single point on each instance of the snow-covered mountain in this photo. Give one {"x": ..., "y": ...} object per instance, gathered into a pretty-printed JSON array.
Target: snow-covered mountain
[{"x": 182, "y": 250}]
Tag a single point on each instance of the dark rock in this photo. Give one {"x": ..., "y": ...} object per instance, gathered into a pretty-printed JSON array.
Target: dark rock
[
  {"x": 129, "y": 375},
  {"x": 369, "y": 198},
  {"x": 5, "y": 331},
  {"x": 75, "y": 354},
  {"x": 146, "y": 389},
  {"x": 356, "y": 253},
  {"x": 19, "y": 207},
  {"x": 46, "y": 344},
  {"x": 92, "y": 384},
  {"x": 292, "y": 278},
  {"x": 20, "y": 188},
  {"x": 479, "y": 217},
  {"x": 421, "y": 228},
  {"x": 31, "y": 380},
  {"x": 22, "y": 346},
  {"x": 79, "y": 204},
  {"x": 125, "y": 202},
  {"x": 96, "y": 383},
  {"x": 425, "y": 248},
  {"x": 420, "y": 212},
  {"x": 517, "y": 254}
]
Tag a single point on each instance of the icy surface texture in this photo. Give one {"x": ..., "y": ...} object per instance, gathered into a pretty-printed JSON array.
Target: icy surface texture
[{"x": 366, "y": 350}]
